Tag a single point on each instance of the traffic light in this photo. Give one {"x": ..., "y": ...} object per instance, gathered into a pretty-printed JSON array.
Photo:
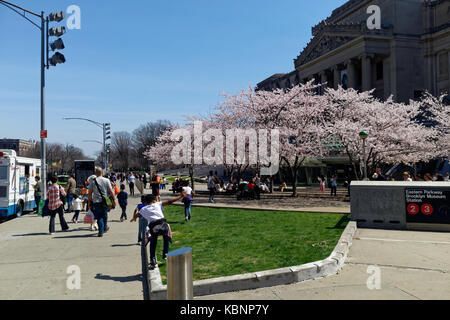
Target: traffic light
[
  {"x": 57, "y": 45},
  {"x": 57, "y": 58},
  {"x": 58, "y": 16},
  {"x": 107, "y": 131},
  {"x": 57, "y": 32}
]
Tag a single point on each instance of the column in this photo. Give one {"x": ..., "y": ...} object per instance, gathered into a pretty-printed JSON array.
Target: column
[
  {"x": 351, "y": 74},
  {"x": 323, "y": 79},
  {"x": 366, "y": 67},
  {"x": 336, "y": 77},
  {"x": 448, "y": 67}
]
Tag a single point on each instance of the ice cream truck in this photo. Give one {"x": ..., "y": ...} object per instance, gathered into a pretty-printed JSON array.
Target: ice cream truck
[{"x": 17, "y": 178}]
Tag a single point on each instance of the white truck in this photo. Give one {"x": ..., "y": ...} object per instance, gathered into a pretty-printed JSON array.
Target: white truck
[{"x": 17, "y": 178}]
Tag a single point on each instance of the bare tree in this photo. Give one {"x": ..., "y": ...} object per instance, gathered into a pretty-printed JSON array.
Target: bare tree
[
  {"x": 121, "y": 150},
  {"x": 144, "y": 138}
]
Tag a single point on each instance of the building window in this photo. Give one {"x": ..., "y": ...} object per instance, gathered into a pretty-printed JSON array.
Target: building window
[
  {"x": 443, "y": 65},
  {"x": 379, "y": 67}
]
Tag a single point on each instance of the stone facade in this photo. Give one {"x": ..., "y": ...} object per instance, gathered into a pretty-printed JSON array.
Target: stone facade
[
  {"x": 407, "y": 55},
  {"x": 21, "y": 147}
]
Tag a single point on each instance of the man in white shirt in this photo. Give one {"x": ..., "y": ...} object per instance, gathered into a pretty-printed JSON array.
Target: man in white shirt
[
  {"x": 131, "y": 181},
  {"x": 153, "y": 213},
  {"x": 100, "y": 187}
]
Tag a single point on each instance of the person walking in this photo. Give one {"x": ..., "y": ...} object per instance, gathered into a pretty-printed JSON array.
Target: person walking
[
  {"x": 158, "y": 226},
  {"x": 333, "y": 184},
  {"x": 257, "y": 188},
  {"x": 101, "y": 187},
  {"x": 76, "y": 207},
  {"x": 122, "y": 197},
  {"x": 322, "y": 183},
  {"x": 188, "y": 195},
  {"x": 131, "y": 181},
  {"x": 212, "y": 181},
  {"x": 155, "y": 185},
  {"x": 70, "y": 191},
  {"x": 37, "y": 192},
  {"x": 55, "y": 205}
]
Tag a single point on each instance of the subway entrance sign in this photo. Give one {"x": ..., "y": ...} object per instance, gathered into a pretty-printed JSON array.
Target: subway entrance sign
[{"x": 427, "y": 205}]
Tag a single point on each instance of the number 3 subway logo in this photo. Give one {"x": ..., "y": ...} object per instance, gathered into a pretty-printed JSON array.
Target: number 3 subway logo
[{"x": 428, "y": 205}]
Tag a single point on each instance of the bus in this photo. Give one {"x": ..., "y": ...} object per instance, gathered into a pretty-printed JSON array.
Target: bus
[{"x": 17, "y": 178}]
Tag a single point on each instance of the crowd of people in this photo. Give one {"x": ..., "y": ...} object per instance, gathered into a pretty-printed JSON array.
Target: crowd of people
[{"x": 101, "y": 194}]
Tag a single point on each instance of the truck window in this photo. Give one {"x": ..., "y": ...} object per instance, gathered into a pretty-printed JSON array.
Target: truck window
[{"x": 3, "y": 172}]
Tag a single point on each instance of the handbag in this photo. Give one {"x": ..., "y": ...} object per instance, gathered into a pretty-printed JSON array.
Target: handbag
[
  {"x": 106, "y": 201},
  {"x": 45, "y": 209},
  {"x": 89, "y": 218}
]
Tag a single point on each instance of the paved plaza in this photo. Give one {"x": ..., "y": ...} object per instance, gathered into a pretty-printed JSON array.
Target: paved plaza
[{"x": 34, "y": 265}]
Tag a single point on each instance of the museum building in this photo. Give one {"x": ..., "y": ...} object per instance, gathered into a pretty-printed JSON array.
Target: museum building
[{"x": 406, "y": 54}]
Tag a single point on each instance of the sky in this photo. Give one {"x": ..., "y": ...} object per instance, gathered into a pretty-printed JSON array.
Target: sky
[{"x": 140, "y": 61}]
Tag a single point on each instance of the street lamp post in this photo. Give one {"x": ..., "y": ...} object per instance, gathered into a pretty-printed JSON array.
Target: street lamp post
[
  {"x": 364, "y": 135},
  {"x": 45, "y": 63},
  {"x": 105, "y": 127}
]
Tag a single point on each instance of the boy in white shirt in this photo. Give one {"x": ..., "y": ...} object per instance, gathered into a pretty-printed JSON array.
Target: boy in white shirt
[
  {"x": 153, "y": 213},
  {"x": 76, "y": 207}
]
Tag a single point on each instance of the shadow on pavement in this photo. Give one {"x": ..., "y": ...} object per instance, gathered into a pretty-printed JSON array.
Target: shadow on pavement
[
  {"x": 137, "y": 277},
  {"x": 30, "y": 234},
  {"x": 124, "y": 245},
  {"x": 78, "y": 236}
]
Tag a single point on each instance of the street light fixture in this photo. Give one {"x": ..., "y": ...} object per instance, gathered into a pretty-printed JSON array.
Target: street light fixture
[
  {"x": 106, "y": 127},
  {"x": 45, "y": 63},
  {"x": 364, "y": 135}
]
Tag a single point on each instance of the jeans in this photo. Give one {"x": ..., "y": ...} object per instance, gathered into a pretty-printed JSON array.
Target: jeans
[
  {"x": 154, "y": 242},
  {"x": 143, "y": 223},
  {"x": 101, "y": 215},
  {"x": 333, "y": 191},
  {"x": 75, "y": 216},
  {"x": 37, "y": 199},
  {"x": 62, "y": 221},
  {"x": 187, "y": 209},
  {"x": 132, "y": 188},
  {"x": 69, "y": 202},
  {"x": 212, "y": 191},
  {"x": 124, "y": 212}
]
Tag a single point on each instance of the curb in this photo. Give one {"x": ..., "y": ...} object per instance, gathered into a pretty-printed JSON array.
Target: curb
[
  {"x": 304, "y": 210},
  {"x": 269, "y": 278}
]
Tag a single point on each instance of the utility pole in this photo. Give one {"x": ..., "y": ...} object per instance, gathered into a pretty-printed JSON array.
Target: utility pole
[{"x": 45, "y": 62}]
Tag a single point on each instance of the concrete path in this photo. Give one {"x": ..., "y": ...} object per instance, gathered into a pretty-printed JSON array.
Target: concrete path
[
  {"x": 33, "y": 264},
  {"x": 413, "y": 265}
]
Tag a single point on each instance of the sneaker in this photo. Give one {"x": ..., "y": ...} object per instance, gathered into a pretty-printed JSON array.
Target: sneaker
[
  {"x": 96, "y": 227},
  {"x": 164, "y": 257},
  {"x": 51, "y": 233},
  {"x": 100, "y": 235},
  {"x": 153, "y": 263},
  {"x": 121, "y": 220}
]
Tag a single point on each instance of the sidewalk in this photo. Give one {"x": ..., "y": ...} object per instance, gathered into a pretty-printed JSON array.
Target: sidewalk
[
  {"x": 413, "y": 265},
  {"x": 34, "y": 264}
]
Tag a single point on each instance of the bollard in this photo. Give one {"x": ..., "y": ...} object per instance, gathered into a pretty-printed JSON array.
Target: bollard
[{"x": 179, "y": 275}]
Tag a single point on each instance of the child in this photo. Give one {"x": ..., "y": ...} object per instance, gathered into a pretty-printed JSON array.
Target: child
[
  {"x": 188, "y": 194},
  {"x": 153, "y": 213},
  {"x": 76, "y": 206},
  {"x": 142, "y": 222},
  {"x": 123, "y": 202}
]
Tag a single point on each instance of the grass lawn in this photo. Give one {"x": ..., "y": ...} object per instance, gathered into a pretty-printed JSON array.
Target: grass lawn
[{"x": 232, "y": 241}]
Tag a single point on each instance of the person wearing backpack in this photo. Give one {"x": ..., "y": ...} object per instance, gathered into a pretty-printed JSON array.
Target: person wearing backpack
[{"x": 99, "y": 190}]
